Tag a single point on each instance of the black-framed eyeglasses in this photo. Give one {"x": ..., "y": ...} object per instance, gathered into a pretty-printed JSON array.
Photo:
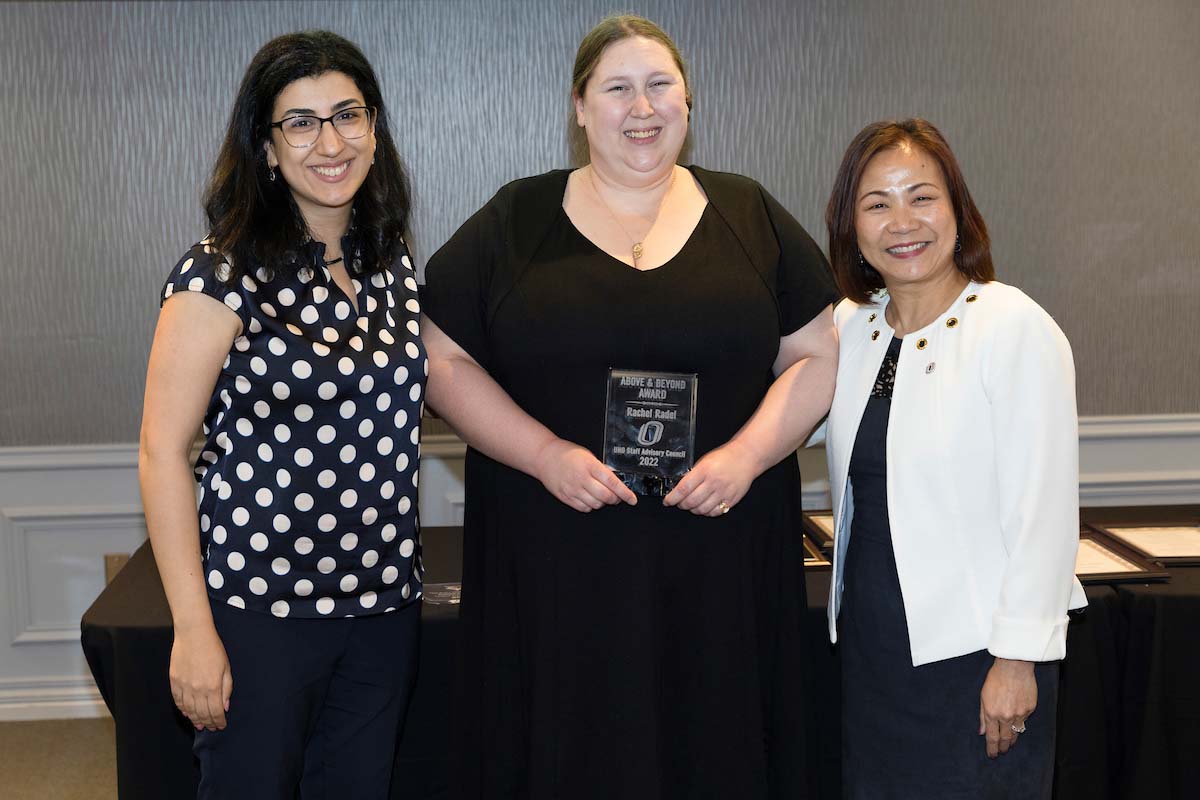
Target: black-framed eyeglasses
[{"x": 303, "y": 130}]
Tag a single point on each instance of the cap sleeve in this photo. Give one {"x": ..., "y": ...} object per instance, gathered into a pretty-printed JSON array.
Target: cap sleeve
[
  {"x": 204, "y": 270},
  {"x": 804, "y": 283},
  {"x": 457, "y": 281}
]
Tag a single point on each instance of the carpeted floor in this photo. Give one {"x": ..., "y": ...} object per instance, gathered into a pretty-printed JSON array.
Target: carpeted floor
[{"x": 71, "y": 759}]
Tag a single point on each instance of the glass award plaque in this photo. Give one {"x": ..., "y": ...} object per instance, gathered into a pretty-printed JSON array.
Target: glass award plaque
[{"x": 650, "y": 428}]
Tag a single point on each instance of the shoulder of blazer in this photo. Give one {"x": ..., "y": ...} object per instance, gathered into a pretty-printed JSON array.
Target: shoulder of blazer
[{"x": 848, "y": 313}]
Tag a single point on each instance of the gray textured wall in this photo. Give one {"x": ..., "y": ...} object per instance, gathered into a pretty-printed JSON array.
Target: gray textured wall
[{"x": 1075, "y": 121}]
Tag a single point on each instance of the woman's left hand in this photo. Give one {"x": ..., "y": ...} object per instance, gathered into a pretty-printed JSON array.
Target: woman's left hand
[
  {"x": 717, "y": 482},
  {"x": 1009, "y": 696}
]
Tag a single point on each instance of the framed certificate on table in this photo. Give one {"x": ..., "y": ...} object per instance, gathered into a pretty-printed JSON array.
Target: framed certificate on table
[
  {"x": 818, "y": 526},
  {"x": 1166, "y": 544},
  {"x": 1102, "y": 559}
]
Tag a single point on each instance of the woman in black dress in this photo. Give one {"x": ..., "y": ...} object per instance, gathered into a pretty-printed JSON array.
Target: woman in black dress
[
  {"x": 617, "y": 645},
  {"x": 952, "y": 452},
  {"x": 291, "y": 334}
]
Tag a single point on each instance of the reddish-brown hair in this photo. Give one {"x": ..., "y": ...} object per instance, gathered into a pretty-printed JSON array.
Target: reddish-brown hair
[{"x": 856, "y": 278}]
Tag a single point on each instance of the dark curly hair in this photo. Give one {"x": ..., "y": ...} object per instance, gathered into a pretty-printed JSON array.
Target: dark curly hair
[
  {"x": 858, "y": 280},
  {"x": 255, "y": 221}
]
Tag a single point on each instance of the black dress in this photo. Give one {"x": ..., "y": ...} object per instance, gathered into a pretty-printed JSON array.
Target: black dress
[
  {"x": 911, "y": 733},
  {"x": 631, "y": 652}
]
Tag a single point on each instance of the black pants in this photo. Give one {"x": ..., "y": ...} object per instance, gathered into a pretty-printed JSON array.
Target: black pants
[{"x": 316, "y": 706}]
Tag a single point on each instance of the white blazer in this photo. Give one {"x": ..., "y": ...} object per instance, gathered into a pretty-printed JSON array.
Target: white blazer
[{"x": 982, "y": 472}]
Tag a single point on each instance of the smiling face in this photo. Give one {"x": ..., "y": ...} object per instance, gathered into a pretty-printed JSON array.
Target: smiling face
[
  {"x": 326, "y": 175},
  {"x": 905, "y": 219},
  {"x": 634, "y": 110}
]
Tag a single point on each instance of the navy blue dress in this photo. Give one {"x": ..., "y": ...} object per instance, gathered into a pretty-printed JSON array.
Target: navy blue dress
[{"x": 912, "y": 732}]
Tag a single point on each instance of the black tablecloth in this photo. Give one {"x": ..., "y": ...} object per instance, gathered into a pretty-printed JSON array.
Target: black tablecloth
[{"x": 1128, "y": 717}]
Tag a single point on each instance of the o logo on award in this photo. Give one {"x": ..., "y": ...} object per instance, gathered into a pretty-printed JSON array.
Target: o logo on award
[{"x": 650, "y": 433}]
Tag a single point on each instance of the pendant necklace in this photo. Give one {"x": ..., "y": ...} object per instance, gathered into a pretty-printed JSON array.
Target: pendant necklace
[{"x": 637, "y": 248}]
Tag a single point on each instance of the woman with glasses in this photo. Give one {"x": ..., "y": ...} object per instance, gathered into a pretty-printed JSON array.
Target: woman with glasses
[{"x": 290, "y": 334}]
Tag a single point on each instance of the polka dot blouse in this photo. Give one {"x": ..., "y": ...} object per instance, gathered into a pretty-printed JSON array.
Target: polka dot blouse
[{"x": 308, "y": 475}]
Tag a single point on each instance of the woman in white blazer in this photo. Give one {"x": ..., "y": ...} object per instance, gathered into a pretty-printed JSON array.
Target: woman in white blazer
[{"x": 953, "y": 460}]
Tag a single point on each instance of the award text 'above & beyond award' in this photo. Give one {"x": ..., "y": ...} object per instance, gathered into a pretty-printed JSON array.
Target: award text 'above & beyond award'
[{"x": 650, "y": 428}]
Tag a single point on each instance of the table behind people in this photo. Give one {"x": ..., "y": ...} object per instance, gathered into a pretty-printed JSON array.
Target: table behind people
[{"x": 614, "y": 644}]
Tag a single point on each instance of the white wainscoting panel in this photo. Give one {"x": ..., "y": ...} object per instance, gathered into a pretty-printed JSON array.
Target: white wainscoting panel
[{"x": 62, "y": 508}]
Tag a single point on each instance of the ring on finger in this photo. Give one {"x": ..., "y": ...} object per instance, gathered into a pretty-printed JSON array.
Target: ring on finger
[
  {"x": 723, "y": 507},
  {"x": 1015, "y": 728}
]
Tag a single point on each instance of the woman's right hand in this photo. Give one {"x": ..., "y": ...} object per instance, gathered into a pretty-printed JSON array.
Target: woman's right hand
[
  {"x": 201, "y": 681},
  {"x": 576, "y": 477}
]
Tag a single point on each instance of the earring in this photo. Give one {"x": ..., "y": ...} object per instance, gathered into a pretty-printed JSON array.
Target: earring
[
  {"x": 271, "y": 173},
  {"x": 957, "y": 244}
]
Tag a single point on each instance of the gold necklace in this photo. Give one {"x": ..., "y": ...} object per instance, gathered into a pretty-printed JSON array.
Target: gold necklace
[{"x": 637, "y": 248}]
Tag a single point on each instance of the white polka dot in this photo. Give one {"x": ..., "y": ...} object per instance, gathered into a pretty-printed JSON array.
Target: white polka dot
[
  {"x": 302, "y": 369},
  {"x": 276, "y": 346},
  {"x": 303, "y": 545},
  {"x": 349, "y": 498},
  {"x": 258, "y": 366},
  {"x": 293, "y": 330},
  {"x": 368, "y": 599},
  {"x": 369, "y": 516},
  {"x": 320, "y": 294},
  {"x": 365, "y": 428},
  {"x": 236, "y": 602},
  {"x": 263, "y": 497},
  {"x": 282, "y": 432},
  {"x": 347, "y": 454},
  {"x": 326, "y": 565},
  {"x": 341, "y": 310},
  {"x": 196, "y": 284},
  {"x": 280, "y": 566},
  {"x": 413, "y": 306},
  {"x": 414, "y": 393},
  {"x": 366, "y": 384},
  {"x": 244, "y": 471},
  {"x": 241, "y": 344},
  {"x": 390, "y": 574},
  {"x": 406, "y": 548},
  {"x": 219, "y": 533},
  {"x": 235, "y": 561},
  {"x": 304, "y": 457},
  {"x": 401, "y": 418},
  {"x": 282, "y": 523},
  {"x": 329, "y": 334},
  {"x": 349, "y": 541},
  {"x": 402, "y": 462},
  {"x": 378, "y": 281},
  {"x": 215, "y": 579},
  {"x": 347, "y": 409},
  {"x": 413, "y": 327},
  {"x": 262, "y": 274},
  {"x": 372, "y": 303},
  {"x": 240, "y": 516},
  {"x": 357, "y": 343},
  {"x": 366, "y": 472},
  {"x": 226, "y": 364},
  {"x": 370, "y": 558},
  {"x": 325, "y": 605},
  {"x": 303, "y": 412},
  {"x": 326, "y": 434},
  {"x": 345, "y": 365},
  {"x": 264, "y": 452},
  {"x": 414, "y": 435},
  {"x": 255, "y": 325},
  {"x": 244, "y": 427},
  {"x": 404, "y": 506},
  {"x": 280, "y": 608},
  {"x": 410, "y": 282},
  {"x": 309, "y": 315},
  {"x": 321, "y": 349},
  {"x": 258, "y": 586},
  {"x": 303, "y": 587},
  {"x": 242, "y": 384},
  {"x": 259, "y": 541},
  {"x": 283, "y": 478},
  {"x": 401, "y": 376},
  {"x": 268, "y": 309},
  {"x": 407, "y": 265},
  {"x": 405, "y": 591},
  {"x": 286, "y": 297},
  {"x": 326, "y": 523},
  {"x": 326, "y": 478},
  {"x": 414, "y": 479},
  {"x": 387, "y": 532},
  {"x": 262, "y": 409},
  {"x": 225, "y": 491},
  {"x": 280, "y": 390},
  {"x": 327, "y": 390},
  {"x": 186, "y": 265},
  {"x": 411, "y": 349},
  {"x": 348, "y": 583},
  {"x": 386, "y": 337},
  {"x": 249, "y": 284},
  {"x": 380, "y": 358},
  {"x": 387, "y": 490},
  {"x": 391, "y": 321},
  {"x": 385, "y": 445}
]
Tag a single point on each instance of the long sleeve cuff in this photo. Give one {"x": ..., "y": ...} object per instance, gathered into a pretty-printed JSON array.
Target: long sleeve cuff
[{"x": 1028, "y": 640}]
